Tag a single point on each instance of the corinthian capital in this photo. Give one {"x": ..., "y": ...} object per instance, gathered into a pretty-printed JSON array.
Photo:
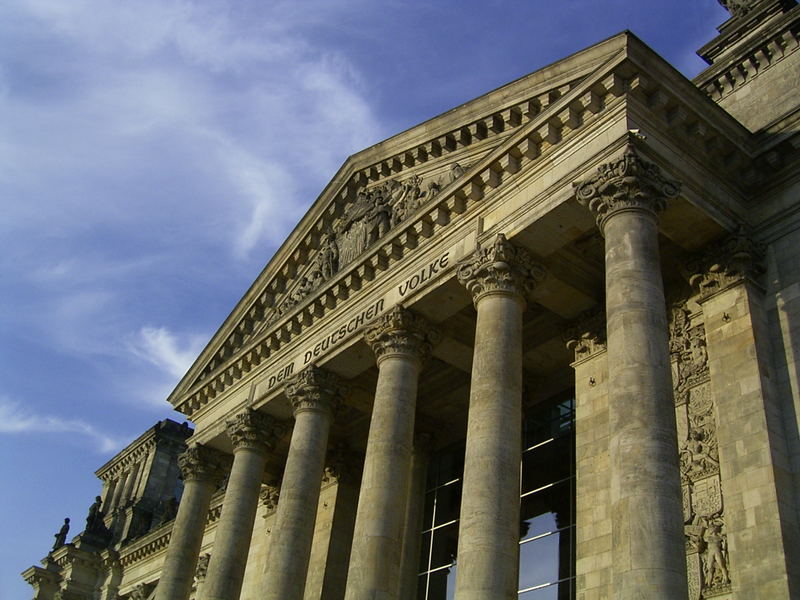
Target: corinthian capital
[
  {"x": 254, "y": 430},
  {"x": 627, "y": 183},
  {"x": 587, "y": 334},
  {"x": 735, "y": 259},
  {"x": 201, "y": 463},
  {"x": 502, "y": 268},
  {"x": 315, "y": 389},
  {"x": 399, "y": 331}
]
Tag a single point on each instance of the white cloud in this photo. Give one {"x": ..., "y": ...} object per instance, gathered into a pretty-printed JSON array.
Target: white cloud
[
  {"x": 162, "y": 348},
  {"x": 16, "y": 420},
  {"x": 155, "y": 153}
]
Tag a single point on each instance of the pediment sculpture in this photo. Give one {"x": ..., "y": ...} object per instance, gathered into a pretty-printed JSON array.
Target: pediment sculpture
[
  {"x": 738, "y": 8},
  {"x": 369, "y": 217}
]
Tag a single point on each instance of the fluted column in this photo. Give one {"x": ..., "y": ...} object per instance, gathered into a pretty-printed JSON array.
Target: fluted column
[
  {"x": 498, "y": 276},
  {"x": 400, "y": 341},
  {"x": 648, "y": 558},
  {"x": 201, "y": 470},
  {"x": 313, "y": 394},
  {"x": 253, "y": 434}
]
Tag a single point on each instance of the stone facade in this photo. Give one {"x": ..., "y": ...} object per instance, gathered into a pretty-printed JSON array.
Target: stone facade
[{"x": 391, "y": 411}]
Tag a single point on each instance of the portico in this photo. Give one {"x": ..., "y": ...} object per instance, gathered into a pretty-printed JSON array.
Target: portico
[{"x": 491, "y": 363}]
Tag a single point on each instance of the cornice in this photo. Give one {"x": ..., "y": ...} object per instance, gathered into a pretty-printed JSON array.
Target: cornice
[
  {"x": 753, "y": 57},
  {"x": 634, "y": 71},
  {"x": 163, "y": 432}
]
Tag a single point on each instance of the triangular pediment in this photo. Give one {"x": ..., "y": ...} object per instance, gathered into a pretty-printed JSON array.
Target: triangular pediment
[{"x": 386, "y": 198}]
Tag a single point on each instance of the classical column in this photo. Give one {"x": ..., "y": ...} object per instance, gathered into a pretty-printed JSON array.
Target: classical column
[
  {"x": 201, "y": 470},
  {"x": 400, "y": 341},
  {"x": 253, "y": 435},
  {"x": 313, "y": 393},
  {"x": 498, "y": 276},
  {"x": 648, "y": 559},
  {"x": 412, "y": 530}
]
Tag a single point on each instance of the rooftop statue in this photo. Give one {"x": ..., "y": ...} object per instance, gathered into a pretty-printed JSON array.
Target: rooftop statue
[
  {"x": 737, "y": 8},
  {"x": 94, "y": 520},
  {"x": 61, "y": 536}
]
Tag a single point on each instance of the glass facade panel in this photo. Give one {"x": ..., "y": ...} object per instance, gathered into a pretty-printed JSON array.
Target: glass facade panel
[
  {"x": 545, "y": 559},
  {"x": 563, "y": 590},
  {"x": 438, "y": 585},
  {"x": 546, "y": 463},
  {"x": 448, "y": 503},
  {"x": 547, "y": 510},
  {"x": 445, "y": 544}
]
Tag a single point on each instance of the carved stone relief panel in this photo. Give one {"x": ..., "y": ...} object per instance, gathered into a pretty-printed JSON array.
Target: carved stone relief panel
[
  {"x": 370, "y": 216},
  {"x": 703, "y": 506}
]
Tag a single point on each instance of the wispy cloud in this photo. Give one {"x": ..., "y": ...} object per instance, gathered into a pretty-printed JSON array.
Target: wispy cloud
[
  {"x": 162, "y": 348},
  {"x": 14, "y": 419},
  {"x": 157, "y": 154}
]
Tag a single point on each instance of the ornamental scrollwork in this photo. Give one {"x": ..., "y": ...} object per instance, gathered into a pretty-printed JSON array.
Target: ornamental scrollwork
[
  {"x": 399, "y": 331},
  {"x": 735, "y": 259},
  {"x": 254, "y": 430},
  {"x": 500, "y": 267},
  {"x": 629, "y": 182},
  {"x": 314, "y": 388}
]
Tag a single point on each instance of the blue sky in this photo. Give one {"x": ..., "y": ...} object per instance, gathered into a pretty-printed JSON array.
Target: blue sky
[{"x": 154, "y": 154}]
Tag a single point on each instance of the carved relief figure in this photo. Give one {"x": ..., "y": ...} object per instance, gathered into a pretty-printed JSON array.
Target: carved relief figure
[
  {"x": 715, "y": 567},
  {"x": 697, "y": 457},
  {"x": 737, "y": 8},
  {"x": 327, "y": 260},
  {"x": 706, "y": 547},
  {"x": 365, "y": 220},
  {"x": 202, "y": 568}
]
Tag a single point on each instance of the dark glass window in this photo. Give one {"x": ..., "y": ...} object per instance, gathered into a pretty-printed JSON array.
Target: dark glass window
[
  {"x": 547, "y": 503},
  {"x": 547, "y": 510},
  {"x": 437, "y": 572}
]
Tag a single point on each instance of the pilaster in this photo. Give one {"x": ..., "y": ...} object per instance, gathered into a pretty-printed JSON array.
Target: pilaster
[
  {"x": 587, "y": 339},
  {"x": 760, "y": 514}
]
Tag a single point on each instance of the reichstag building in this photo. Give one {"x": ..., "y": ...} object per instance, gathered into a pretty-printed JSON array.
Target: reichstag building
[{"x": 543, "y": 346}]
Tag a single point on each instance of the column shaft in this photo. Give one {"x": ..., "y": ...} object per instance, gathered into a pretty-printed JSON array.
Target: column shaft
[
  {"x": 293, "y": 532},
  {"x": 375, "y": 556},
  {"x": 232, "y": 542},
  {"x": 647, "y": 524},
  {"x": 412, "y": 530},
  {"x": 488, "y": 540},
  {"x": 177, "y": 574}
]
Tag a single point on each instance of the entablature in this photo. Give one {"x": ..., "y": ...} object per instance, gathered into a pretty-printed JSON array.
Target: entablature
[
  {"x": 164, "y": 432},
  {"x": 260, "y": 338}
]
